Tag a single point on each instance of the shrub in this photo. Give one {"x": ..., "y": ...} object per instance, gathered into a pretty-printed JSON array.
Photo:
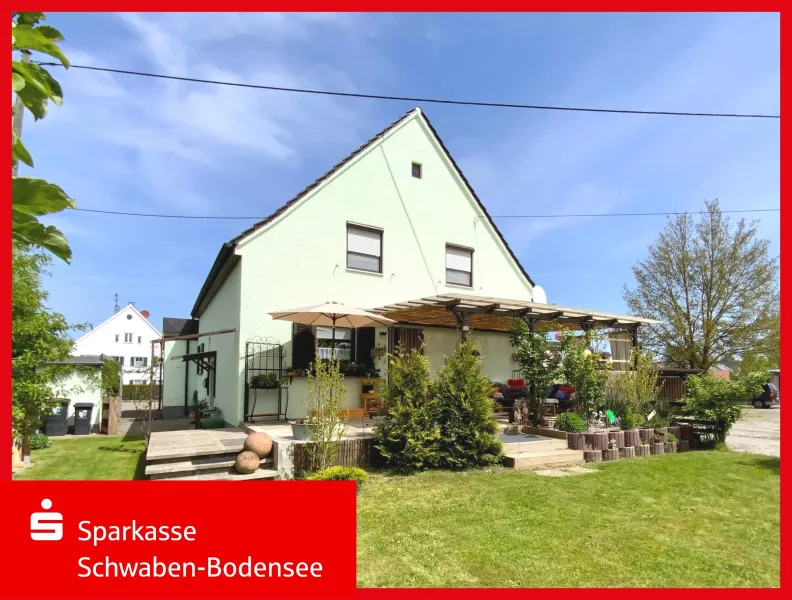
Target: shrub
[
  {"x": 326, "y": 396},
  {"x": 713, "y": 399},
  {"x": 629, "y": 420},
  {"x": 570, "y": 422},
  {"x": 39, "y": 441},
  {"x": 341, "y": 474},
  {"x": 465, "y": 412},
  {"x": 672, "y": 438},
  {"x": 664, "y": 413},
  {"x": 408, "y": 436}
]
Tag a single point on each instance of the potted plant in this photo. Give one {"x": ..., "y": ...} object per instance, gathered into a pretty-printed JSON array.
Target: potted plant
[
  {"x": 301, "y": 429},
  {"x": 265, "y": 381}
]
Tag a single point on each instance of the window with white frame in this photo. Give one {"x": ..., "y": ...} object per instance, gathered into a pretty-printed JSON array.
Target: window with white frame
[
  {"x": 364, "y": 248},
  {"x": 128, "y": 338},
  {"x": 459, "y": 265},
  {"x": 119, "y": 360},
  {"x": 139, "y": 361}
]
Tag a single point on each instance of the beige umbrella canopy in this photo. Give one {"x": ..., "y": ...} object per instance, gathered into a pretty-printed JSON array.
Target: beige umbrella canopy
[{"x": 332, "y": 314}]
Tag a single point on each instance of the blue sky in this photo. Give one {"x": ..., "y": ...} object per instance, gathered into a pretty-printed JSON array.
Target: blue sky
[{"x": 145, "y": 145}]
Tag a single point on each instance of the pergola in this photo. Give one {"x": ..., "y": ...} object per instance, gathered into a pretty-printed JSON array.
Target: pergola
[{"x": 497, "y": 314}]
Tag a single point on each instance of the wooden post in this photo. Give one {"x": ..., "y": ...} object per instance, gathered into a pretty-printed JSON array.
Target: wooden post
[
  {"x": 576, "y": 441},
  {"x": 683, "y": 446},
  {"x": 670, "y": 447},
  {"x": 611, "y": 454},
  {"x": 598, "y": 441},
  {"x": 628, "y": 452},
  {"x": 663, "y": 433},
  {"x": 110, "y": 415},
  {"x": 656, "y": 449},
  {"x": 632, "y": 437},
  {"x": 647, "y": 435},
  {"x": 592, "y": 455},
  {"x": 641, "y": 451}
]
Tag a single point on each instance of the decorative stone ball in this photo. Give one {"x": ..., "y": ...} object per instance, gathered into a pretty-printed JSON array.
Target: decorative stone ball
[
  {"x": 258, "y": 442},
  {"x": 247, "y": 462}
]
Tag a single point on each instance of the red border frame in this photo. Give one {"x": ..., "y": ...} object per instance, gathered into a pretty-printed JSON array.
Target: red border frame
[{"x": 464, "y": 5}]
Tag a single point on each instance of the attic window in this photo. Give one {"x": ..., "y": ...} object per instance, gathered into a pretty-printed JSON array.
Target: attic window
[
  {"x": 129, "y": 317},
  {"x": 364, "y": 248},
  {"x": 417, "y": 172},
  {"x": 459, "y": 266}
]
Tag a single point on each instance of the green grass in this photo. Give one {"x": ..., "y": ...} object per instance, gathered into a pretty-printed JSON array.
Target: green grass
[
  {"x": 705, "y": 519},
  {"x": 95, "y": 457}
]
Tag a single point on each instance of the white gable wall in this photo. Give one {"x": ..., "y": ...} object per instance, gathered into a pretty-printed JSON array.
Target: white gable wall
[
  {"x": 101, "y": 340},
  {"x": 300, "y": 258}
]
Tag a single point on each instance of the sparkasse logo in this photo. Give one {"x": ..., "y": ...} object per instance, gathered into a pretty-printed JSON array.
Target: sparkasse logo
[{"x": 46, "y": 526}]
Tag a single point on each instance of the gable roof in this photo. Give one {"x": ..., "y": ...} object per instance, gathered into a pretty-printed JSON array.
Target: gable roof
[
  {"x": 228, "y": 248},
  {"x": 113, "y": 316}
]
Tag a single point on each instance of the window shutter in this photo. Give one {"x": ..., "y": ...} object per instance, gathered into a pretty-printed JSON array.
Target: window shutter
[
  {"x": 459, "y": 259},
  {"x": 145, "y": 361},
  {"x": 364, "y": 241}
]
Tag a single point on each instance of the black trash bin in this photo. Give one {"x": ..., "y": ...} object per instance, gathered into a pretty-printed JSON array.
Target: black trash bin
[
  {"x": 55, "y": 423},
  {"x": 82, "y": 418}
]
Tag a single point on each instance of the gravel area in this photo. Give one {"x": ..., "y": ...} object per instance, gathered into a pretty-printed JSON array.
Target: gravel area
[{"x": 759, "y": 431}]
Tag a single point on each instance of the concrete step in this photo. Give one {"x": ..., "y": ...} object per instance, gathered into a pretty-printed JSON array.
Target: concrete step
[
  {"x": 530, "y": 460},
  {"x": 194, "y": 466},
  {"x": 533, "y": 446},
  {"x": 229, "y": 475}
]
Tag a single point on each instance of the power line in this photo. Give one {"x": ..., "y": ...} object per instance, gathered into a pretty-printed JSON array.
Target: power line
[
  {"x": 418, "y": 100},
  {"x": 547, "y": 216}
]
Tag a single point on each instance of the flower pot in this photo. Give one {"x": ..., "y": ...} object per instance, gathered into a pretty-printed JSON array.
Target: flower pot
[
  {"x": 611, "y": 454},
  {"x": 657, "y": 449},
  {"x": 592, "y": 455},
  {"x": 301, "y": 431},
  {"x": 642, "y": 451},
  {"x": 627, "y": 452}
]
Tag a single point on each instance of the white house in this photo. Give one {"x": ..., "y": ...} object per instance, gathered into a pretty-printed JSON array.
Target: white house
[
  {"x": 126, "y": 336},
  {"x": 394, "y": 222}
]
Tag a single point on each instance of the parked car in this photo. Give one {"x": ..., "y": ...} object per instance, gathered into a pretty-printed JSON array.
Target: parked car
[{"x": 768, "y": 398}]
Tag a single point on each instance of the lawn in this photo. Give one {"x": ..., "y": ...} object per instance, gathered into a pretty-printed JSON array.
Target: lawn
[
  {"x": 694, "y": 519},
  {"x": 94, "y": 457}
]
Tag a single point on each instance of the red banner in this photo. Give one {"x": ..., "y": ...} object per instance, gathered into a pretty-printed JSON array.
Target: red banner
[{"x": 86, "y": 539}]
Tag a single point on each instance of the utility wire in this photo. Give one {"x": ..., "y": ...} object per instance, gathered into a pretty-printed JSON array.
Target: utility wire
[
  {"x": 556, "y": 216},
  {"x": 419, "y": 100}
]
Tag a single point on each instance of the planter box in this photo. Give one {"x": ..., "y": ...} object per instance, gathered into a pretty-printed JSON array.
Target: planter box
[
  {"x": 657, "y": 449},
  {"x": 553, "y": 433},
  {"x": 301, "y": 431},
  {"x": 683, "y": 446},
  {"x": 611, "y": 454},
  {"x": 576, "y": 441},
  {"x": 598, "y": 441},
  {"x": 618, "y": 436},
  {"x": 631, "y": 437},
  {"x": 671, "y": 447},
  {"x": 642, "y": 451},
  {"x": 628, "y": 452},
  {"x": 592, "y": 455}
]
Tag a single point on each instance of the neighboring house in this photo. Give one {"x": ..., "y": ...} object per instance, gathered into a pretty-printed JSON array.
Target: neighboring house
[
  {"x": 126, "y": 337},
  {"x": 393, "y": 222},
  {"x": 81, "y": 383},
  {"x": 721, "y": 372}
]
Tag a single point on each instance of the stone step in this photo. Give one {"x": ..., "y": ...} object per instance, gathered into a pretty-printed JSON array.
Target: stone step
[
  {"x": 229, "y": 475},
  {"x": 510, "y": 447},
  {"x": 201, "y": 464},
  {"x": 530, "y": 460}
]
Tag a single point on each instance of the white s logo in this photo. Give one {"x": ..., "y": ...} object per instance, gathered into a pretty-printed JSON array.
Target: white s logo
[{"x": 46, "y": 526}]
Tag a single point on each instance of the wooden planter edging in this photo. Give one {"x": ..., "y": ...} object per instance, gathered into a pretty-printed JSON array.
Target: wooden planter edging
[
  {"x": 647, "y": 435},
  {"x": 662, "y": 432},
  {"x": 598, "y": 441},
  {"x": 656, "y": 449},
  {"x": 641, "y": 451},
  {"x": 576, "y": 441},
  {"x": 676, "y": 432},
  {"x": 631, "y": 437},
  {"x": 628, "y": 452},
  {"x": 592, "y": 455},
  {"x": 683, "y": 446},
  {"x": 553, "y": 433},
  {"x": 611, "y": 454},
  {"x": 352, "y": 453},
  {"x": 671, "y": 447}
]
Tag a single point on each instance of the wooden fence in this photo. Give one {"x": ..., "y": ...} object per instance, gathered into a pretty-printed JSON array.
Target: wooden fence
[
  {"x": 356, "y": 452},
  {"x": 111, "y": 408}
]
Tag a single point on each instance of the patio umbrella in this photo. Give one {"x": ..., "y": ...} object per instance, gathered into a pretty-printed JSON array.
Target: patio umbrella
[{"x": 332, "y": 314}]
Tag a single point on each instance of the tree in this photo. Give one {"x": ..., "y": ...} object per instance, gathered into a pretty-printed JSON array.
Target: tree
[
  {"x": 766, "y": 355},
  {"x": 39, "y": 338},
  {"x": 711, "y": 284},
  {"x": 465, "y": 412},
  {"x": 111, "y": 373},
  {"x": 34, "y": 88},
  {"x": 584, "y": 370},
  {"x": 539, "y": 364},
  {"x": 408, "y": 436}
]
